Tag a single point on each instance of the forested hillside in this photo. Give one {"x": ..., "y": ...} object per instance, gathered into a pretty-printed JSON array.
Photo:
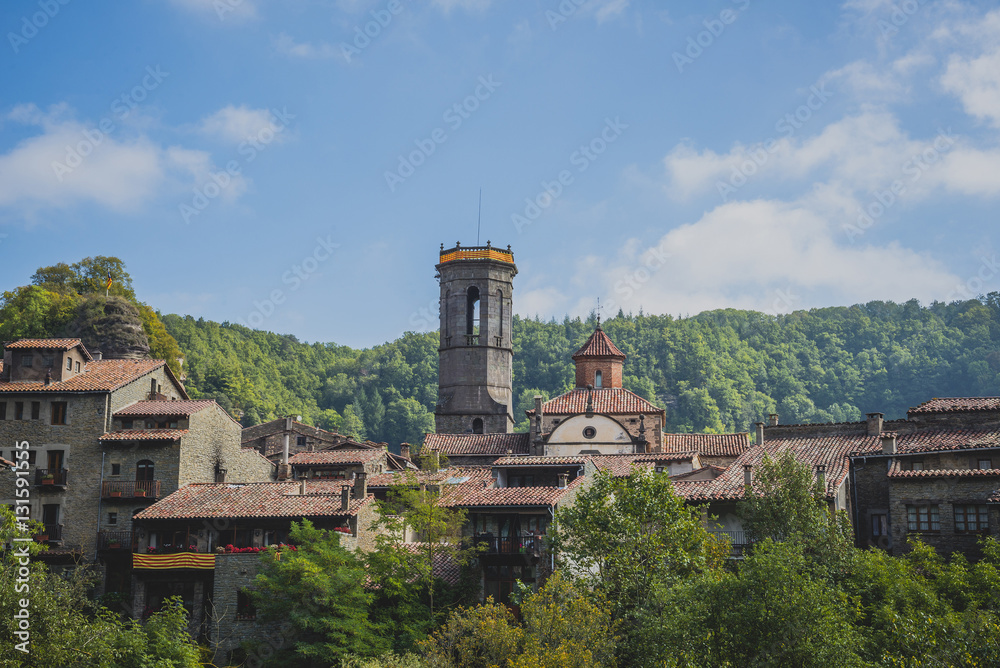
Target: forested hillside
[{"x": 717, "y": 371}]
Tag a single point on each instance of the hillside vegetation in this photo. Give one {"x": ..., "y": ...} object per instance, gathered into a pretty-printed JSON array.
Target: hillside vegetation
[{"x": 717, "y": 371}]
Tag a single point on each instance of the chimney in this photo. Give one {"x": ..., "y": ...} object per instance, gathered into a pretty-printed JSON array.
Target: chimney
[
  {"x": 48, "y": 377},
  {"x": 590, "y": 401},
  {"x": 772, "y": 420},
  {"x": 888, "y": 442},
  {"x": 360, "y": 485},
  {"x": 760, "y": 433},
  {"x": 152, "y": 389},
  {"x": 747, "y": 475},
  {"x": 97, "y": 355},
  {"x": 302, "y": 487},
  {"x": 874, "y": 424},
  {"x": 345, "y": 497},
  {"x": 821, "y": 477},
  {"x": 563, "y": 480},
  {"x": 404, "y": 450}
]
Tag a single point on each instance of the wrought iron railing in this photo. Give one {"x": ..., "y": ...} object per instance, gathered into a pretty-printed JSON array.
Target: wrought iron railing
[
  {"x": 509, "y": 544},
  {"x": 114, "y": 540},
  {"x": 130, "y": 489},
  {"x": 739, "y": 541},
  {"x": 50, "y": 477},
  {"x": 51, "y": 532}
]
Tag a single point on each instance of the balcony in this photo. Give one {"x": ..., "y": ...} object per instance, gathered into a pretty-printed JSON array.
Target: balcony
[
  {"x": 527, "y": 545},
  {"x": 131, "y": 489},
  {"x": 50, "y": 477},
  {"x": 52, "y": 533},
  {"x": 739, "y": 542},
  {"x": 472, "y": 339},
  {"x": 114, "y": 540}
]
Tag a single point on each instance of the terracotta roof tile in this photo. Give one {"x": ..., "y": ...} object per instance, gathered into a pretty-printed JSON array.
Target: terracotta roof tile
[
  {"x": 510, "y": 496},
  {"x": 622, "y": 465},
  {"x": 335, "y": 457},
  {"x": 478, "y": 444},
  {"x": 49, "y": 344},
  {"x": 938, "y": 440},
  {"x": 6, "y": 463},
  {"x": 599, "y": 345},
  {"x": 896, "y": 471},
  {"x": 144, "y": 435},
  {"x": 443, "y": 565},
  {"x": 683, "y": 477},
  {"x": 607, "y": 400},
  {"x": 712, "y": 445},
  {"x": 262, "y": 499},
  {"x": 99, "y": 376},
  {"x": 525, "y": 460},
  {"x": 957, "y": 405},
  {"x": 164, "y": 408}
]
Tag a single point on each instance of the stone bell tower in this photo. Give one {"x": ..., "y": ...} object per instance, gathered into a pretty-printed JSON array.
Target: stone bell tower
[{"x": 475, "y": 356}]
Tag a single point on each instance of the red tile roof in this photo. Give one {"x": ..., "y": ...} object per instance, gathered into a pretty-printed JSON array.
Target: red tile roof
[
  {"x": 477, "y": 444},
  {"x": 335, "y": 457},
  {"x": 939, "y": 440},
  {"x": 607, "y": 400},
  {"x": 50, "y": 344},
  {"x": 541, "y": 461},
  {"x": 957, "y": 405},
  {"x": 895, "y": 471},
  {"x": 510, "y": 496},
  {"x": 262, "y": 499},
  {"x": 144, "y": 435},
  {"x": 6, "y": 463},
  {"x": 622, "y": 465},
  {"x": 184, "y": 408},
  {"x": 599, "y": 345},
  {"x": 443, "y": 565},
  {"x": 715, "y": 470},
  {"x": 99, "y": 376},
  {"x": 711, "y": 445}
]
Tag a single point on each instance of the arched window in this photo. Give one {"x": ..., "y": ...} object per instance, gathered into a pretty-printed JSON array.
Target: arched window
[
  {"x": 477, "y": 426},
  {"x": 144, "y": 470},
  {"x": 500, "y": 312},
  {"x": 472, "y": 311},
  {"x": 598, "y": 378}
]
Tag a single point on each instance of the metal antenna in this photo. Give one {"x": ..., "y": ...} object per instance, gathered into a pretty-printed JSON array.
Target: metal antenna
[
  {"x": 598, "y": 312},
  {"x": 479, "y": 224}
]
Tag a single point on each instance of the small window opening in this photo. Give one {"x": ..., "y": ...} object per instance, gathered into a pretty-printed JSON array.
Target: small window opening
[
  {"x": 477, "y": 426},
  {"x": 472, "y": 312},
  {"x": 598, "y": 379}
]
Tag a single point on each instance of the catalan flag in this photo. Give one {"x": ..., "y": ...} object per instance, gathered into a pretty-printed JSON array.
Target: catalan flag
[{"x": 107, "y": 283}]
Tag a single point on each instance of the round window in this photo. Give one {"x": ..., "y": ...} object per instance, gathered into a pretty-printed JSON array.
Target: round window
[{"x": 589, "y": 432}]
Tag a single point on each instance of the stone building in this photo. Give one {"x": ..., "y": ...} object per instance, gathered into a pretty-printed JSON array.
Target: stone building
[
  {"x": 203, "y": 541},
  {"x": 475, "y": 354},
  {"x": 268, "y": 438},
  {"x": 476, "y": 449}
]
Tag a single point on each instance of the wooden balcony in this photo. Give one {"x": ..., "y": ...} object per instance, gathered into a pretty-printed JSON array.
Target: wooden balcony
[
  {"x": 50, "y": 477},
  {"x": 527, "y": 545},
  {"x": 130, "y": 489},
  {"x": 114, "y": 540},
  {"x": 52, "y": 533}
]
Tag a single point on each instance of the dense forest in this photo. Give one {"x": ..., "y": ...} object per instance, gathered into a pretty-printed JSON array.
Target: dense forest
[{"x": 717, "y": 371}]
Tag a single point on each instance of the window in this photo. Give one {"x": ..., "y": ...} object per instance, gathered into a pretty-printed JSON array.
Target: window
[
  {"x": 112, "y": 518},
  {"x": 55, "y": 458},
  {"x": 18, "y": 410},
  {"x": 912, "y": 465},
  {"x": 46, "y": 361},
  {"x": 589, "y": 432},
  {"x": 116, "y": 469},
  {"x": 923, "y": 518},
  {"x": 500, "y": 309},
  {"x": 78, "y": 367},
  {"x": 299, "y": 441},
  {"x": 985, "y": 464},
  {"x": 971, "y": 518},
  {"x": 598, "y": 379},
  {"x": 477, "y": 426},
  {"x": 880, "y": 525},
  {"x": 521, "y": 481},
  {"x": 144, "y": 471},
  {"x": 27, "y": 361},
  {"x": 36, "y": 409},
  {"x": 69, "y": 363},
  {"x": 126, "y": 424},
  {"x": 472, "y": 311},
  {"x": 244, "y": 606},
  {"x": 58, "y": 412},
  {"x": 3, "y": 410},
  {"x": 150, "y": 424}
]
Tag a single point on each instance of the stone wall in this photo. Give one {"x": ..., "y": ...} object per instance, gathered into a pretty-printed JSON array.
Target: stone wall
[{"x": 214, "y": 438}]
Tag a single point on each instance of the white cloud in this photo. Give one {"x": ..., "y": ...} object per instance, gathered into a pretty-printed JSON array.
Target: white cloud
[
  {"x": 236, "y": 124},
  {"x": 976, "y": 82},
  {"x": 468, "y": 5},
  {"x": 70, "y": 163},
  {"x": 287, "y": 45},
  {"x": 607, "y": 9}
]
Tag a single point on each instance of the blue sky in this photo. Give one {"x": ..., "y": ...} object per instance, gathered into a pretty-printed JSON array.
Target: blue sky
[{"x": 271, "y": 163}]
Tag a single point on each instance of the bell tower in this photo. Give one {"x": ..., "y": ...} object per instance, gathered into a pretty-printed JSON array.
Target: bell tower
[{"x": 475, "y": 392}]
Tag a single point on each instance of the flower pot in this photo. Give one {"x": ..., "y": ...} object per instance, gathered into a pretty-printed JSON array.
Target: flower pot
[
  {"x": 48, "y": 481},
  {"x": 42, "y": 537},
  {"x": 115, "y": 546},
  {"x": 115, "y": 495},
  {"x": 140, "y": 492}
]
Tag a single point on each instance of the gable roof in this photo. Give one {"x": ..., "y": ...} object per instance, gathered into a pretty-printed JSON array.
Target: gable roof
[
  {"x": 509, "y": 496},
  {"x": 261, "y": 499},
  {"x": 599, "y": 345},
  {"x": 179, "y": 408},
  {"x": 712, "y": 445},
  {"x": 144, "y": 435},
  {"x": 956, "y": 405},
  {"x": 607, "y": 400},
  {"x": 478, "y": 444},
  {"x": 49, "y": 344},
  {"x": 622, "y": 465},
  {"x": 277, "y": 426},
  {"x": 335, "y": 457},
  {"x": 99, "y": 376}
]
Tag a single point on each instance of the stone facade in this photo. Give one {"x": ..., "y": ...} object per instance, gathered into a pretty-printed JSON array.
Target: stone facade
[
  {"x": 475, "y": 358},
  {"x": 610, "y": 368}
]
